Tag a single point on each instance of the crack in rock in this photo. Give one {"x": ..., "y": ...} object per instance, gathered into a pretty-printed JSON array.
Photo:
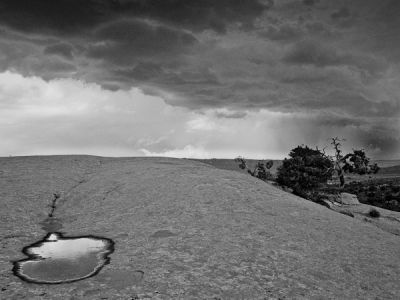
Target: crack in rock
[{"x": 53, "y": 204}]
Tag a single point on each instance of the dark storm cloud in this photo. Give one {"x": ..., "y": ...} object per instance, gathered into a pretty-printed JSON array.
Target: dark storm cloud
[
  {"x": 117, "y": 38},
  {"x": 73, "y": 16},
  {"x": 382, "y": 139},
  {"x": 310, "y": 2},
  {"x": 380, "y": 31},
  {"x": 318, "y": 54},
  {"x": 142, "y": 71},
  {"x": 283, "y": 32},
  {"x": 339, "y": 121},
  {"x": 318, "y": 29},
  {"x": 123, "y": 42},
  {"x": 142, "y": 32},
  {"x": 231, "y": 114},
  {"x": 166, "y": 75},
  {"x": 311, "y": 52},
  {"x": 61, "y": 16},
  {"x": 199, "y": 15},
  {"x": 342, "y": 13},
  {"x": 62, "y": 49},
  {"x": 357, "y": 105}
]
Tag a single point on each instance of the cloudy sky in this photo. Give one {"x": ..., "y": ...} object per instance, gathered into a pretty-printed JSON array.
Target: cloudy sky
[{"x": 198, "y": 78}]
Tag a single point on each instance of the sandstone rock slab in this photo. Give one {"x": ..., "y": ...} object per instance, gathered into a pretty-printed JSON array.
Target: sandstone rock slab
[
  {"x": 348, "y": 199},
  {"x": 185, "y": 230}
]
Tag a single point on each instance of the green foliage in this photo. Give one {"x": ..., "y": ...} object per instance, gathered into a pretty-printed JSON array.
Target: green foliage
[{"x": 305, "y": 170}]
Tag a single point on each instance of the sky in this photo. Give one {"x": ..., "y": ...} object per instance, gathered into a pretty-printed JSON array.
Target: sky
[{"x": 199, "y": 78}]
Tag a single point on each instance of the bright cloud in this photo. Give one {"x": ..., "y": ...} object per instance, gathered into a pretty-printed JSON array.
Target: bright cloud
[{"x": 68, "y": 116}]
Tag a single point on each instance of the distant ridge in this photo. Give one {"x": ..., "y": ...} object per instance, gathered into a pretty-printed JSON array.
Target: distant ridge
[
  {"x": 230, "y": 164},
  {"x": 393, "y": 170}
]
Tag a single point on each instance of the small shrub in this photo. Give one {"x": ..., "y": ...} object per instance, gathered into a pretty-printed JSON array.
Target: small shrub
[
  {"x": 395, "y": 189},
  {"x": 373, "y": 213},
  {"x": 242, "y": 162},
  {"x": 261, "y": 170}
]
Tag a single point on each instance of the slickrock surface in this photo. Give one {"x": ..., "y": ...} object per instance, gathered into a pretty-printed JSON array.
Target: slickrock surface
[{"x": 186, "y": 230}]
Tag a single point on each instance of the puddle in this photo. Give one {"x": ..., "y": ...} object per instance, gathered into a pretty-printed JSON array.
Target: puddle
[{"x": 57, "y": 259}]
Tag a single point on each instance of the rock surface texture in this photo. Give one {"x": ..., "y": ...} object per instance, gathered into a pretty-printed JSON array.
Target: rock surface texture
[
  {"x": 348, "y": 199},
  {"x": 185, "y": 230}
]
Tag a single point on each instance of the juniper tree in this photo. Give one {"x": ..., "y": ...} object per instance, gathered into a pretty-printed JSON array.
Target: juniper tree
[
  {"x": 305, "y": 169},
  {"x": 356, "y": 162}
]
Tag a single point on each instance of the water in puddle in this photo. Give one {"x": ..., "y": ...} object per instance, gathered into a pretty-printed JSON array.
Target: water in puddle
[{"x": 58, "y": 259}]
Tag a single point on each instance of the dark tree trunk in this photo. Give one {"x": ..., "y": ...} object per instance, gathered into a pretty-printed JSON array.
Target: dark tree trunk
[
  {"x": 341, "y": 178},
  {"x": 340, "y": 175}
]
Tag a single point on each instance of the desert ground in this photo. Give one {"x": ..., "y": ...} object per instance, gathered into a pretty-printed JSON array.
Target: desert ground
[{"x": 184, "y": 229}]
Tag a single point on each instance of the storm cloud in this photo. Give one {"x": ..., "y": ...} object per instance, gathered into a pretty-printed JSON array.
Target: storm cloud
[
  {"x": 75, "y": 16},
  {"x": 335, "y": 62}
]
